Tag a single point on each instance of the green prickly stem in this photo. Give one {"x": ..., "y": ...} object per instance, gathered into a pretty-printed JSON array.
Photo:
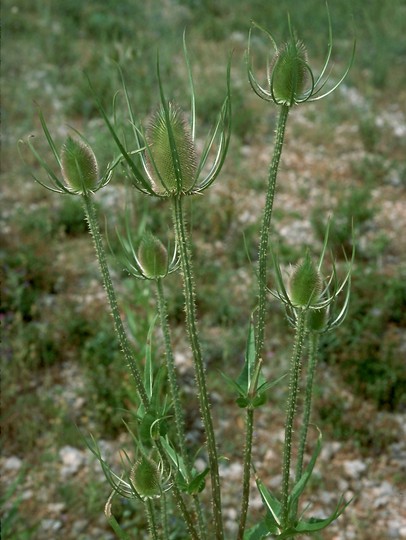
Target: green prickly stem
[
  {"x": 313, "y": 348},
  {"x": 295, "y": 365},
  {"x": 265, "y": 229},
  {"x": 262, "y": 292},
  {"x": 108, "y": 285},
  {"x": 173, "y": 384},
  {"x": 191, "y": 322}
]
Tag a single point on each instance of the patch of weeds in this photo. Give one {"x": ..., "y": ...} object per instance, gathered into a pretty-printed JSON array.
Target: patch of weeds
[
  {"x": 368, "y": 353},
  {"x": 369, "y": 132},
  {"x": 109, "y": 386},
  {"x": 26, "y": 272},
  {"x": 13, "y": 524},
  {"x": 85, "y": 501},
  {"x": 25, "y": 413},
  {"x": 372, "y": 436},
  {"x": 70, "y": 217},
  {"x": 352, "y": 212},
  {"x": 372, "y": 169}
]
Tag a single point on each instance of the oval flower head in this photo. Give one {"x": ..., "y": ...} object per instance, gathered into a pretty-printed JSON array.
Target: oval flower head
[
  {"x": 290, "y": 79},
  {"x": 165, "y": 161},
  {"x": 171, "y": 156},
  {"x": 77, "y": 165},
  {"x": 307, "y": 289}
]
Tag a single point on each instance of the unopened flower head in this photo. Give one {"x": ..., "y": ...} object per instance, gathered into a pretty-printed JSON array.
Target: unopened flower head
[
  {"x": 165, "y": 162},
  {"x": 290, "y": 79},
  {"x": 289, "y": 72},
  {"x": 153, "y": 257},
  {"x": 171, "y": 156},
  {"x": 79, "y": 166},
  {"x": 146, "y": 478},
  {"x": 305, "y": 284},
  {"x": 306, "y": 289}
]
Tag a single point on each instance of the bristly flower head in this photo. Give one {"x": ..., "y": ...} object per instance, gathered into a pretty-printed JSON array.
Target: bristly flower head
[
  {"x": 162, "y": 168},
  {"x": 307, "y": 290},
  {"x": 290, "y": 79},
  {"x": 77, "y": 165},
  {"x": 165, "y": 161},
  {"x": 148, "y": 260},
  {"x": 305, "y": 283}
]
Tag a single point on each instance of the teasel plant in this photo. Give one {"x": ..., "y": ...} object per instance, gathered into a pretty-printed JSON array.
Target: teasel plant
[
  {"x": 313, "y": 305},
  {"x": 164, "y": 163},
  {"x": 77, "y": 173},
  {"x": 152, "y": 263},
  {"x": 290, "y": 81}
]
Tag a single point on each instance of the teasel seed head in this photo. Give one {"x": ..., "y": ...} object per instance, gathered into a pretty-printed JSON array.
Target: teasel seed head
[
  {"x": 305, "y": 284},
  {"x": 79, "y": 166},
  {"x": 168, "y": 135},
  {"x": 289, "y": 72},
  {"x": 153, "y": 257},
  {"x": 146, "y": 478}
]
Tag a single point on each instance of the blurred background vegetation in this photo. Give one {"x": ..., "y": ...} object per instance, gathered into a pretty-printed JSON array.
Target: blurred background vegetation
[{"x": 61, "y": 364}]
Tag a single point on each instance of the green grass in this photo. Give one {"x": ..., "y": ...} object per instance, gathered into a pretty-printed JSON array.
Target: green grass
[{"x": 53, "y": 309}]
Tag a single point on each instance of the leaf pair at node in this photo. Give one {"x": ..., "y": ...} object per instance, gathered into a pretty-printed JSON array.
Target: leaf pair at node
[{"x": 273, "y": 525}]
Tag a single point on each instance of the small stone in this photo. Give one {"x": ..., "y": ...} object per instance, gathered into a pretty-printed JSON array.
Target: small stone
[
  {"x": 354, "y": 468},
  {"x": 56, "y": 508},
  {"x": 51, "y": 525},
  {"x": 72, "y": 460},
  {"x": 329, "y": 450},
  {"x": 12, "y": 463}
]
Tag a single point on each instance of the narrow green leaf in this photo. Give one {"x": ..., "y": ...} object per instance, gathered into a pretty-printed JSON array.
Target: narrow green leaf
[
  {"x": 148, "y": 371},
  {"x": 198, "y": 483},
  {"x": 301, "y": 484},
  {"x": 245, "y": 376},
  {"x": 175, "y": 458},
  {"x": 272, "y": 504},
  {"x": 259, "y": 531},
  {"x": 235, "y": 386},
  {"x": 314, "y": 524}
]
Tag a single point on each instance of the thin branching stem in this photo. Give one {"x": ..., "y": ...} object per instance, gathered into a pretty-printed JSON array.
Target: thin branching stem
[
  {"x": 295, "y": 365},
  {"x": 262, "y": 288},
  {"x": 108, "y": 285},
  {"x": 265, "y": 230},
  {"x": 172, "y": 378},
  {"x": 312, "y": 364},
  {"x": 152, "y": 524},
  {"x": 164, "y": 517},
  {"x": 188, "y": 518},
  {"x": 183, "y": 243},
  {"x": 175, "y": 394},
  {"x": 249, "y": 430}
]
